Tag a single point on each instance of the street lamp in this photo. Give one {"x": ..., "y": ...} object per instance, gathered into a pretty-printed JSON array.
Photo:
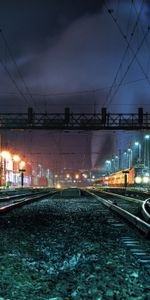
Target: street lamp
[
  {"x": 125, "y": 160},
  {"x": 146, "y": 151},
  {"x": 108, "y": 166},
  {"x": 113, "y": 165},
  {"x": 139, "y": 149},
  {"x": 116, "y": 163},
  {"x": 16, "y": 158},
  {"x": 130, "y": 157}
]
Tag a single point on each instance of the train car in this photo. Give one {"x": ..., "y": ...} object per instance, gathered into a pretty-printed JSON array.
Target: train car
[{"x": 135, "y": 176}]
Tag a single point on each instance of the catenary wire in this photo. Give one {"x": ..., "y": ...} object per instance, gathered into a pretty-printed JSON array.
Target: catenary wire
[
  {"x": 133, "y": 52},
  {"x": 129, "y": 65},
  {"x": 17, "y": 68},
  {"x": 142, "y": 30},
  {"x": 127, "y": 48}
]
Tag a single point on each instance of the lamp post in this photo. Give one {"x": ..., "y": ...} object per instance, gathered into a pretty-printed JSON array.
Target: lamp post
[
  {"x": 77, "y": 178},
  {"x": 113, "y": 165},
  {"x": 139, "y": 151},
  {"x": 108, "y": 167},
  {"x": 125, "y": 160},
  {"x": 146, "y": 151},
  {"x": 130, "y": 157},
  {"x": 116, "y": 163},
  {"x": 22, "y": 170}
]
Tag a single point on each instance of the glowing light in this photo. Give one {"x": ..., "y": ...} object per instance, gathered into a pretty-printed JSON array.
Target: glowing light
[
  {"x": 58, "y": 186},
  {"x": 136, "y": 143},
  {"x": 67, "y": 175},
  {"x": 138, "y": 179},
  {"x": 84, "y": 175},
  {"x": 6, "y": 155},
  {"x": 9, "y": 165},
  {"x": 145, "y": 179},
  {"x": 108, "y": 162},
  {"x": 16, "y": 158},
  {"x": 22, "y": 164},
  {"x": 147, "y": 137},
  {"x": 77, "y": 176}
]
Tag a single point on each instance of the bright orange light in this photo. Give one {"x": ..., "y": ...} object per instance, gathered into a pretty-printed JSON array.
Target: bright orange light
[
  {"x": 77, "y": 176},
  {"x": 67, "y": 175},
  {"x": 58, "y": 186},
  {"x": 22, "y": 164},
  {"x": 6, "y": 155},
  {"x": 16, "y": 158}
]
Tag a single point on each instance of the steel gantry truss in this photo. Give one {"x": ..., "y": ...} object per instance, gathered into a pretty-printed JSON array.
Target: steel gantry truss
[{"x": 75, "y": 121}]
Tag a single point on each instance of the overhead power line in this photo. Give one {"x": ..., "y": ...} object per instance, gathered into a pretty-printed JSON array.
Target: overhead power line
[
  {"x": 129, "y": 66},
  {"x": 18, "y": 71},
  {"x": 110, "y": 11},
  {"x": 129, "y": 45},
  {"x": 142, "y": 30},
  {"x": 84, "y": 92}
]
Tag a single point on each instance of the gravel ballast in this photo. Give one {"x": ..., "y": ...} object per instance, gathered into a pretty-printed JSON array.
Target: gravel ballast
[{"x": 66, "y": 249}]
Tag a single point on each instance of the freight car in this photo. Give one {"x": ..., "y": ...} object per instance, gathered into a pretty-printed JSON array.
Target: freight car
[{"x": 135, "y": 176}]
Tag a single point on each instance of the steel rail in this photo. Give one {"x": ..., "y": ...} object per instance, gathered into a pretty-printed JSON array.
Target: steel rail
[
  {"x": 11, "y": 206},
  {"x": 123, "y": 197},
  {"x": 11, "y": 197},
  {"x": 144, "y": 211},
  {"x": 136, "y": 221}
]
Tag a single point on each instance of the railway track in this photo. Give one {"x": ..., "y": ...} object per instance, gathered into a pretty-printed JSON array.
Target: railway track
[
  {"x": 74, "y": 238},
  {"x": 126, "y": 207},
  {"x": 146, "y": 210},
  {"x": 129, "y": 192},
  {"x": 134, "y": 201},
  {"x": 8, "y": 203},
  {"x": 131, "y": 204}
]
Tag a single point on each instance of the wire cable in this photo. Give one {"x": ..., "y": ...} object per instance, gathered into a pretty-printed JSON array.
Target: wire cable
[
  {"x": 142, "y": 30},
  {"x": 17, "y": 68},
  {"x": 129, "y": 66},
  {"x": 133, "y": 52},
  {"x": 110, "y": 11}
]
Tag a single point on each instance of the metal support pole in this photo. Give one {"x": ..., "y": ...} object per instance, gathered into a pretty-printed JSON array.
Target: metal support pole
[
  {"x": 22, "y": 179},
  {"x": 22, "y": 176}
]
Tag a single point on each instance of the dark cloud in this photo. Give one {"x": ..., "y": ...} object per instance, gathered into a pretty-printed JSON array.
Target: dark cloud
[
  {"x": 41, "y": 22},
  {"x": 63, "y": 48}
]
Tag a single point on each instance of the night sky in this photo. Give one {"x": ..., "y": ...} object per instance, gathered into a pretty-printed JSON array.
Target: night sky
[{"x": 81, "y": 54}]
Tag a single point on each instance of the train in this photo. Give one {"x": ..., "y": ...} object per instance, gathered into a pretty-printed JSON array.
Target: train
[{"x": 134, "y": 176}]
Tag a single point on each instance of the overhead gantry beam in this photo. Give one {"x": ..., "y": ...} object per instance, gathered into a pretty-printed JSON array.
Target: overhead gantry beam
[{"x": 75, "y": 121}]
